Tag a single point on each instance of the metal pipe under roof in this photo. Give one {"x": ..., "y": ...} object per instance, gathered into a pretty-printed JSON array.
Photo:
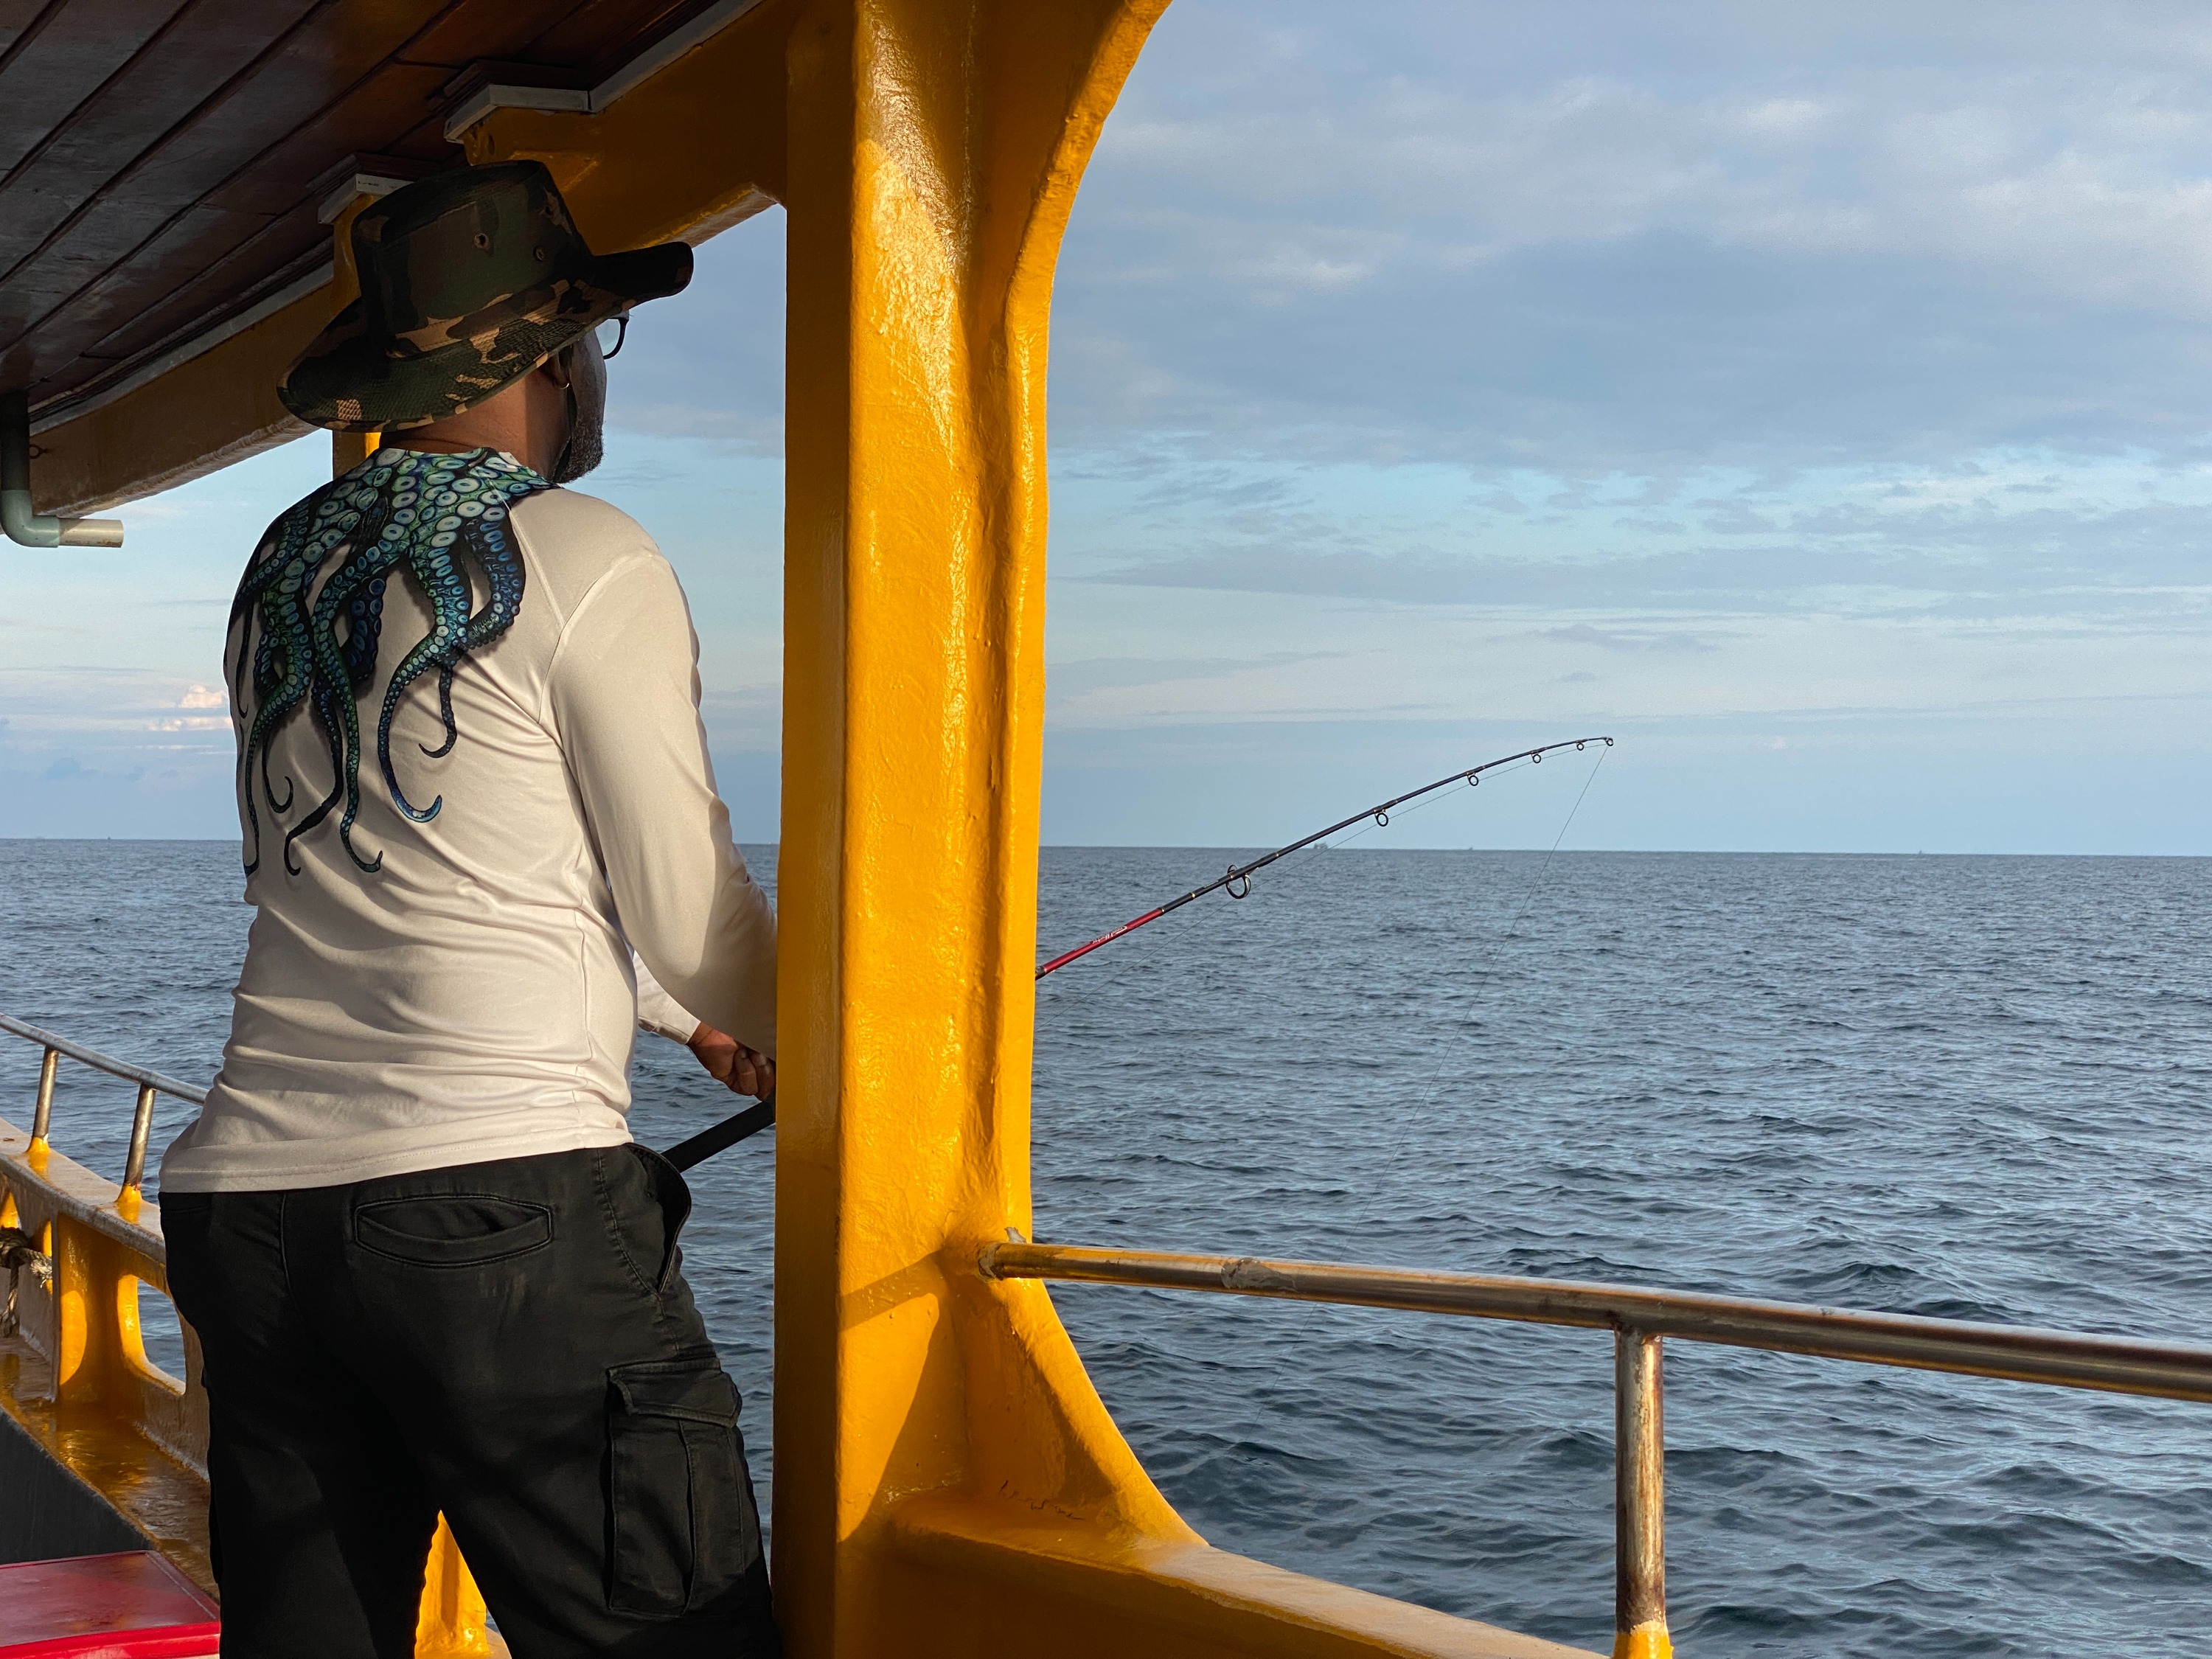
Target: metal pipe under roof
[{"x": 16, "y": 518}]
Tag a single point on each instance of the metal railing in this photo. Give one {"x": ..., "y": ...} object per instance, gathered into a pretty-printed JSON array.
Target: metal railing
[
  {"x": 98, "y": 1251},
  {"x": 1641, "y": 1320},
  {"x": 91, "y": 1249},
  {"x": 150, "y": 1084}
]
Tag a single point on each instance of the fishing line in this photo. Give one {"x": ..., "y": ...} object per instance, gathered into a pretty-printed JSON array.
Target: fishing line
[
  {"x": 1530, "y": 897},
  {"x": 1527, "y": 898}
]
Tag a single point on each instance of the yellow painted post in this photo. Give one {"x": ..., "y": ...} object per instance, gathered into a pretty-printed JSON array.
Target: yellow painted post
[
  {"x": 450, "y": 1624},
  {"x": 80, "y": 1334},
  {"x": 934, "y": 150},
  {"x": 349, "y": 449}
]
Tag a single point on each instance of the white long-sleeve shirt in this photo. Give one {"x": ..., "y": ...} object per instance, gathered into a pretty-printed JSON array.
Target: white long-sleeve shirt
[
  {"x": 473, "y": 998},
  {"x": 658, "y": 1012}
]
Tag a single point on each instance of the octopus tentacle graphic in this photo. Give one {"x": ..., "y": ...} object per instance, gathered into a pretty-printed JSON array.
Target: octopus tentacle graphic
[
  {"x": 442, "y": 520},
  {"x": 275, "y": 587},
  {"x": 346, "y": 666},
  {"x": 457, "y": 632}
]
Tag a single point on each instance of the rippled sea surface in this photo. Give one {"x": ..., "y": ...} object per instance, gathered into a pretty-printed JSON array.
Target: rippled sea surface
[{"x": 1969, "y": 1087}]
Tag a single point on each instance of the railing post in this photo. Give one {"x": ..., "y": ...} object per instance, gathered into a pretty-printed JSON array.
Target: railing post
[
  {"x": 142, "y": 1124},
  {"x": 43, "y": 1119},
  {"x": 1639, "y": 1516}
]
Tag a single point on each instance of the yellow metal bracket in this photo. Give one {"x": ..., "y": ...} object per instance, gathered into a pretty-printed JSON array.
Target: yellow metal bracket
[
  {"x": 77, "y": 1377},
  {"x": 78, "y": 1380}
]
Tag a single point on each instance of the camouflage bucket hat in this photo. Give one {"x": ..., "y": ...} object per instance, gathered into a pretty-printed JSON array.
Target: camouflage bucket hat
[{"x": 469, "y": 280}]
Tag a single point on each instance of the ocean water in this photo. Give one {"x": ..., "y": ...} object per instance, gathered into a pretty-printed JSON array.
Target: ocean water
[{"x": 1968, "y": 1087}]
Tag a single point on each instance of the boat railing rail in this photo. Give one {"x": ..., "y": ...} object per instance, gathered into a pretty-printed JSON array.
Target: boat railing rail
[
  {"x": 150, "y": 1085},
  {"x": 85, "y": 1248},
  {"x": 93, "y": 1234},
  {"x": 94, "y": 1387},
  {"x": 1641, "y": 1320}
]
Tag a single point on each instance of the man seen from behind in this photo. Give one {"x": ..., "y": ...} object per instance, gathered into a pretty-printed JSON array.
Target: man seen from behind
[{"x": 429, "y": 1270}]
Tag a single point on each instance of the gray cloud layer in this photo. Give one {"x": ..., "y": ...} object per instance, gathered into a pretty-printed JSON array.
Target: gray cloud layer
[
  {"x": 1604, "y": 237},
  {"x": 1867, "y": 308},
  {"x": 1607, "y": 241}
]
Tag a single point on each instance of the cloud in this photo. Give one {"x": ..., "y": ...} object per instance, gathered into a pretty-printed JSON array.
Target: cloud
[
  {"x": 746, "y": 432},
  {"x": 1083, "y": 677},
  {"x": 1773, "y": 578},
  {"x": 2027, "y": 535},
  {"x": 1439, "y": 375},
  {"x": 1626, "y": 639},
  {"x": 708, "y": 362},
  {"x": 1457, "y": 232},
  {"x": 111, "y": 710}
]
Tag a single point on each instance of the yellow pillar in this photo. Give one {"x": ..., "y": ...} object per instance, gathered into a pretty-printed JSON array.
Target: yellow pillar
[
  {"x": 450, "y": 1622},
  {"x": 933, "y": 152},
  {"x": 349, "y": 449}
]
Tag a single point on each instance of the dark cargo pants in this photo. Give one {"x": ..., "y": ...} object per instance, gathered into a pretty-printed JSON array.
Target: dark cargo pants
[{"x": 510, "y": 1342}]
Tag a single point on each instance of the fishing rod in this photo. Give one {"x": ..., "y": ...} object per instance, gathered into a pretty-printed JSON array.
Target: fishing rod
[
  {"x": 1238, "y": 880},
  {"x": 740, "y": 1125},
  {"x": 743, "y": 1126}
]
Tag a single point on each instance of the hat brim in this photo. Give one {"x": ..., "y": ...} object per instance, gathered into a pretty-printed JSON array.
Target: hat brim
[{"x": 350, "y": 381}]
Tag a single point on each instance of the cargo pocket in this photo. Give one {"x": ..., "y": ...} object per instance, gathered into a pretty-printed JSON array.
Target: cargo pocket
[{"x": 683, "y": 1528}]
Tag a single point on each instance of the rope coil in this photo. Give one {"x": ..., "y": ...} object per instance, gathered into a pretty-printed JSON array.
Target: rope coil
[{"x": 19, "y": 1251}]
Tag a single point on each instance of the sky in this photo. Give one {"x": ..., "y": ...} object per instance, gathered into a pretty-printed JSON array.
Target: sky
[{"x": 1818, "y": 399}]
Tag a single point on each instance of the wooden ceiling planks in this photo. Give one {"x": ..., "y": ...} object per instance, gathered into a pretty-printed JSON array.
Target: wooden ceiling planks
[
  {"x": 589, "y": 36},
  {"x": 15, "y": 16},
  {"x": 63, "y": 57},
  {"x": 120, "y": 180},
  {"x": 160, "y": 161},
  {"x": 583, "y": 38},
  {"x": 187, "y": 225}
]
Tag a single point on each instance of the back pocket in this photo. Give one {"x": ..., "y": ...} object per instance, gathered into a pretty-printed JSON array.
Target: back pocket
[
  {"x": 453, "y": 1229},
  {"x": 683, "y": 1526}
]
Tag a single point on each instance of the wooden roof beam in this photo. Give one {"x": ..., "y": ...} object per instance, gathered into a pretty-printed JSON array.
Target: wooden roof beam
[{"x": 700, "y": 149}]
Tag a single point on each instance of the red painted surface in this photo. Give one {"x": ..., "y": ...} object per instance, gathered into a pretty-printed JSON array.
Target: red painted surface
[{"x": 134, "y": 1605}]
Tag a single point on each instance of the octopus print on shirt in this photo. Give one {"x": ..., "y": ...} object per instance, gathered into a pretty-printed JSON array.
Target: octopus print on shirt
[{"x": 439, "y": 518}]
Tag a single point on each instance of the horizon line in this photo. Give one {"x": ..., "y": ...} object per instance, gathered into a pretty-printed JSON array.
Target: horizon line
[{"x": 1246, "y": 846}]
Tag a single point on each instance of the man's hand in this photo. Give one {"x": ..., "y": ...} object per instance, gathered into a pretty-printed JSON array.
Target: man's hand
[{"x": 743, "y": 1070}]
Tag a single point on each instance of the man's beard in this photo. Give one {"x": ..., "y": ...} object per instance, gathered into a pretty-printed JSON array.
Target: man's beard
[{"x": 587, "y": 443}]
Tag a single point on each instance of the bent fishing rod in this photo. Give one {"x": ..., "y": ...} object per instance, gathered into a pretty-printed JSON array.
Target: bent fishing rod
[
  {"x": 720, "y": 1137},
  {"x": 1238, "y": 882}
]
